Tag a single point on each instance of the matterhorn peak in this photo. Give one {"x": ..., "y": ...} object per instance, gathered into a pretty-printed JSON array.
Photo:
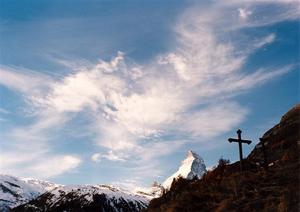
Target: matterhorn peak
[
  {"x": 192, "y": 166},
  {"x": 193, "y": 154}
]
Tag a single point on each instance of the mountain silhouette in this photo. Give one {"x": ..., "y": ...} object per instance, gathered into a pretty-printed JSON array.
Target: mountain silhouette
[{"x": 269, "y": 182}]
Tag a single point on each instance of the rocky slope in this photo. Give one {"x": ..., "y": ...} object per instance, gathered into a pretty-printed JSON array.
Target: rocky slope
[
  {"x": 15, "y": 191},
  {"x": 273, "y": 186}
]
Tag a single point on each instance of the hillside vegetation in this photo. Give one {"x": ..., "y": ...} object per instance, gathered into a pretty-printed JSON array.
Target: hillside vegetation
[{"x": 273, "y": 186}]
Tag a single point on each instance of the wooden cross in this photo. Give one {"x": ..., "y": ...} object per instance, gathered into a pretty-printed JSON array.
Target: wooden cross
[{"x": 240, "y": 141}]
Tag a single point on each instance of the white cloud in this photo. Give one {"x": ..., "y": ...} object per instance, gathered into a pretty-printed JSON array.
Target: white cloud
[
  {"x": 179, "y": 64},
  {"x": 113, "y": 157},
  {"x": 96, "y": 157},
  {"x": 156, "y": 149},
  {"x": 266, "y": 40},
  {"x": 113, "y": 135},
  {"x": 30, "y": 144},
  {"x": 37, "y": 163},
  {"x": 214, "y": 120},
  {"x": 113, "y": 65},
  {"x": 28, "y": 82},
  {"x": 244, "y": 13},
  {"x": 54, "y": 166},
  {"x": 187, "y": 92},
  {"x": 145, "y": 114},
  {"x": 84, "y": 89},
  {"x": 110, "y": 155},
  {"x": 9, "y": 160}
]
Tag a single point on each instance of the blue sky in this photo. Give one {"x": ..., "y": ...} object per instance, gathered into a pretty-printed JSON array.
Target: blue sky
[{"x": 118, "y": 91}]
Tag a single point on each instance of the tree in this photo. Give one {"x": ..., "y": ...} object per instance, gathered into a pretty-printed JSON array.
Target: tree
[{"x": 223, "y": 162}]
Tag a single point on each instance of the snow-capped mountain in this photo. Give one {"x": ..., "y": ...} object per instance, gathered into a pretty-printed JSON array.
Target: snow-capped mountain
[
  {"x": 86, "y": 198},
  {"x": 192, "y": 166},
  {"x": 26, "y": 194},
  {"x": 15, "y": 191}
]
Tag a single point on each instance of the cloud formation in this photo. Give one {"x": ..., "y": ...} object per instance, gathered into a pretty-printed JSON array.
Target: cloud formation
[
  {"x": 244, "y": 13},
  {"x": 54, "y": 166},
  {"x": 109, "y": 156},
  {"x": 186, "y": 93}
]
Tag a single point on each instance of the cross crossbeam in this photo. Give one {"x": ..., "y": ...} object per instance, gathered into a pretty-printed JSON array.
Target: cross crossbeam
[
  {"x": 237, "y": 140},
  {"x": 240, "y": 141}
]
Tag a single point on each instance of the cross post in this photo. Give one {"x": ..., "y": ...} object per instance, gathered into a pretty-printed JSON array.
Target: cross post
[{"x": 240, "y": 141}]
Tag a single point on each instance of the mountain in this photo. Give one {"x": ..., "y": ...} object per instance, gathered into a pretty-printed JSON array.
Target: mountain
[
  {"x": 86, "y": 198},
  {"x": 191, "y": 167},
  {"x": 25, "y": 194},
  {"x": 15, "y": 191},
  {"x": 269, "y": 181}
]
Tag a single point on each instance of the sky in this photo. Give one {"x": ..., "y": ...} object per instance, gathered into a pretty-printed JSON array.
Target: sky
[{"x": 117, "y": 92}]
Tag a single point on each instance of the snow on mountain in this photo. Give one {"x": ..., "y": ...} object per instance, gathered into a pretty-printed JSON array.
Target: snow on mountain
[
  {"x": 15, "y": 191},
  {"x": 87, "y": 191},
  {"x": 27, "y": 194},
  {"x": 21, "y": 194},
  {"x": 88, "y": 197},
  {"x": 154, "y": 191},
  {"x": 192, "y": 166}
]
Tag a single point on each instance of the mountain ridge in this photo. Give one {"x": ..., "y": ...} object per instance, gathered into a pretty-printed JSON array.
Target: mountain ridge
[
  {"x": 16, "y": 190},
  {"x": 266, "y": 184},
  {"x": 46, "y": 195},
  {"x": 87, "y": 198}
]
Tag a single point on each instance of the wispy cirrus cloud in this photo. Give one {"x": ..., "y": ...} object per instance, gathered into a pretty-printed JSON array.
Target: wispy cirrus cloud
[
  {"x": 37, "y": 163},
  {"x": 265, "y": 41},
  {"x": 23, "y": 80},
  {"x": 214, "y": 120},
  {"x": 25, "y": 151},
  {"x": 55, "y": 165},
  {"x": 97, "y": 157},
  {"x": 186, "y": 93}
]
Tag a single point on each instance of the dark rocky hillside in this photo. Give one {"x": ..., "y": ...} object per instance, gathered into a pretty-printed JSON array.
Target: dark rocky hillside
[{"x": 271, "y": 186}]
